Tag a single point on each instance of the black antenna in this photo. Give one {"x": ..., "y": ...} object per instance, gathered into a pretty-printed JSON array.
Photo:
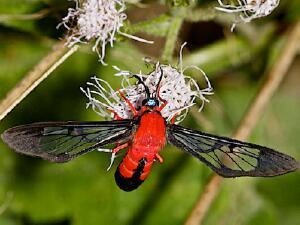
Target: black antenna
[
  {"x": 160, "y": 78},
  {"x": 140, "y": 81}
]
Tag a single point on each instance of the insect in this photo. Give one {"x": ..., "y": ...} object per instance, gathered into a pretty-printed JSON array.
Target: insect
[{"x": 145, "y": 135}]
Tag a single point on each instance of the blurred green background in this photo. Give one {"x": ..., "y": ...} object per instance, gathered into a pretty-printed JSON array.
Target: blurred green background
[{"x": 82, "y": 192}]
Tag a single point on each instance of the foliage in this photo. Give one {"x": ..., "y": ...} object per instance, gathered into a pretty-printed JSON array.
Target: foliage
[{"x": 82, "y": 192}]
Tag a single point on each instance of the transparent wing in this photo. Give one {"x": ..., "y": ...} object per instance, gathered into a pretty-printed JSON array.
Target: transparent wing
[
  {"x": 229, "y": 157},
  {"x": 62, "y": 141}
]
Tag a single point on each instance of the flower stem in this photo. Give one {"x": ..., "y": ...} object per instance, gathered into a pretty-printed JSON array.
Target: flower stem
[
  {"x": 40, "y": 72},
  {"x": 171, "y": 39}
]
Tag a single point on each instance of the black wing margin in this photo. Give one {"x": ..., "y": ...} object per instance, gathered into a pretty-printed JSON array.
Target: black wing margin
[
  {"x": 63, "y": 141},
  {"x": 229, "y": 157}
]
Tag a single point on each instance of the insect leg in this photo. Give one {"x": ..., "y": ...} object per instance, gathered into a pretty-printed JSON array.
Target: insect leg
[
  {"x": 161, "y": 99},
  {"x": 120, "y": 147},
  {"x": 103, "y": 150},
  {"x": 159, "y": 158},
  {"x": 114, "y": 151},
  {"x": 173, "y": 118},
  {"x": 135, "y": 113},
  {"x": 116, "y": 115},
  {"x": 165, "y": 103}
]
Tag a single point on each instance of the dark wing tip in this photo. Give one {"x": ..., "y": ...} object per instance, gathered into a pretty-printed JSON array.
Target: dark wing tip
[
  {"x": 4, "y": 136},
  {"x": 9, "y": 138},
  {"x": 273, "y": 163},
  {"x": 21, "y": 140}
]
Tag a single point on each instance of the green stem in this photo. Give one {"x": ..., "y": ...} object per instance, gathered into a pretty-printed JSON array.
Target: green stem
[{"x": 171, "y": 38}]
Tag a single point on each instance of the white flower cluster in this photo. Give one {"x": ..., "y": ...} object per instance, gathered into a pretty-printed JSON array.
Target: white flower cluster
[
  {"x": 178, "y": 90},
  {"x": 249, "y": 9},
  {"x": 96, "y": 20}
]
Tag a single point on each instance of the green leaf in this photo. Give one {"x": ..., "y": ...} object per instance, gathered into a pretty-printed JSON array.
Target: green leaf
[{"x": 157, "y": 26}]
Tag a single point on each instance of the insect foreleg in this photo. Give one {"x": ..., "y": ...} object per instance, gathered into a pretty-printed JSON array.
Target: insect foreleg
[
  {"x": 135, "y": 113},
  {"x": 116, "y": 115},
  {"x": 173, "y": 118}
]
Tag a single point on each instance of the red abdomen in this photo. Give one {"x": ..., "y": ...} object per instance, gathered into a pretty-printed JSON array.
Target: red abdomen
[{"x": 149, "y": 139}]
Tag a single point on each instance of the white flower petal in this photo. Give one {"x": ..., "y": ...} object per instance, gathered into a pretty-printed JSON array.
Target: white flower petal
[
  {"x": 178, "y": 90},
  {"x": 97, "y": 20},
  {"x": 249, "y": 9}
]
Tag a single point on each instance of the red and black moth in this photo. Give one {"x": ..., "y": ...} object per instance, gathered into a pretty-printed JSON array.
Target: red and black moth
[{"x": 145, "y": 135}]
